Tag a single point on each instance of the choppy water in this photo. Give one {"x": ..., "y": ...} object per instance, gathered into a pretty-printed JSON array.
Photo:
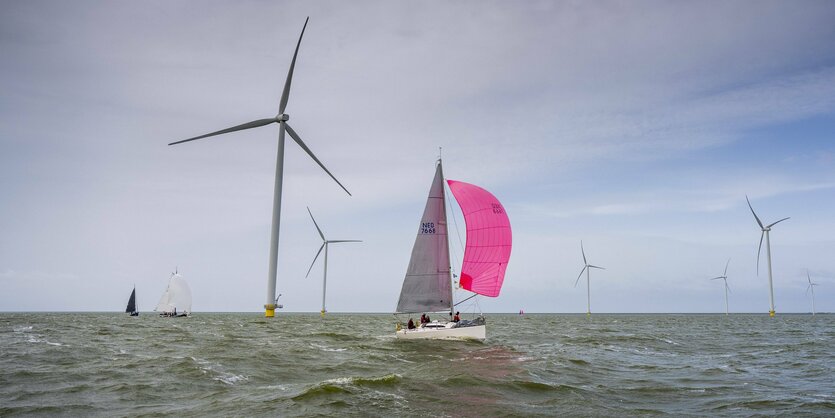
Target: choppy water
[{"x": 104, "y": 364}]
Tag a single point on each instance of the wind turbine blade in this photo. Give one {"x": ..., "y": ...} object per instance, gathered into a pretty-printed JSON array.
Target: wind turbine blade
[
  {"x": 580, "y": 275},
  {"x": 727, "y": 287},
  {"x": 808, "y": 278},
  {"x": 314, "y": 259},
  {"x": 248, "y": 125},
  {"x": 317, "y": 225},
  {"x": 726, "y": 268},
  {"x": 759, "y": 250},
  {"x": 584, "y": 252},
  {"x": 775, "y": 223},
  {"x": 286, "y": 93},
  {"x": 301, "y": 143},
  {"x": 596, "y": 267},
  {"x": 752, "y": 211},
  {"x": 717, "y": 278},
  {"x": 344, "y": 240}
]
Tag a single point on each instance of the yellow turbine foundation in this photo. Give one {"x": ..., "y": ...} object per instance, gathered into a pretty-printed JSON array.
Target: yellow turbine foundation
[
  {"x": 771, "y": 314},
  {"x": 269, "y": 310}
]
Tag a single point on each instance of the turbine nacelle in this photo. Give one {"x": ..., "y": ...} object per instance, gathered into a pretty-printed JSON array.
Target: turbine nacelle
[{"x": 282, "y": 117}]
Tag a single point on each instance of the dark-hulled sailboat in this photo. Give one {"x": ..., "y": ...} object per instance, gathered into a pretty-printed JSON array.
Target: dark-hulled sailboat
[{"x": 131, "y": 308}]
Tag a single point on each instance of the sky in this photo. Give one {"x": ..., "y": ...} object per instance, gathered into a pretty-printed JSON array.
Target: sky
[{"x": 636, "y": 127}]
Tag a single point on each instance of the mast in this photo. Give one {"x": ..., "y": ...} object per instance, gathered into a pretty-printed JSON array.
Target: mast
[{"x": 446, "y": 215}]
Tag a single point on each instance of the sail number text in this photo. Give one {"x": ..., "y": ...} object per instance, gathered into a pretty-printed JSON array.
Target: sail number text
[{"x": 427, "y": 227}]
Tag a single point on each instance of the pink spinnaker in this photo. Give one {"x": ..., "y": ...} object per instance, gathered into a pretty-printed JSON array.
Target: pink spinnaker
[{"x": 488, "y": 239}]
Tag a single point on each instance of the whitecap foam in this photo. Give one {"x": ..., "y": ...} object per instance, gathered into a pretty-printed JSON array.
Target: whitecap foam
[
  {"x": 340, "y": 381},
  {"x": 283, "y": 388},
  {"x": 328, "y": 349},
  {"x": 231, "y": 379}
]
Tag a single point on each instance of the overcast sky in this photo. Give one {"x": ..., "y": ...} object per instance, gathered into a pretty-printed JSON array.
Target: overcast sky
[{"x": 638, "y": 127}]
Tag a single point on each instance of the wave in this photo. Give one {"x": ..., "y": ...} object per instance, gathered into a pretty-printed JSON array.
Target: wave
[
  {"x": 387, "y": 380},
  {"x": 344, "y": 385},
  {"x": 322, "y": 389}
]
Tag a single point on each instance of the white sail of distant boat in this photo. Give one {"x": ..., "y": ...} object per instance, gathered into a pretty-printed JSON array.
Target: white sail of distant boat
[
  {"x": 176, "y": 301},
  {"x": 427, "y": 287}
]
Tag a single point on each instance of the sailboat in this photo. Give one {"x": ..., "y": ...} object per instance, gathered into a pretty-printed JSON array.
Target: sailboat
[
  {"x": 176, "y": 301},
  {"x": 427, "y": 287},
  {"x": 131, "y": 308}
]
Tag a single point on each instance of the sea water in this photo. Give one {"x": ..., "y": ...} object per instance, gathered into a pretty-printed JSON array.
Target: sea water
[{"x": 241, "y": 364}]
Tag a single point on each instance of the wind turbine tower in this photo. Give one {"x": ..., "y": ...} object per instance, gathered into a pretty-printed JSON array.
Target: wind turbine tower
[
  {"x": 724, "y": 277},
  {"x": 586, "y": 267},
  {"x": 766, "y": 229},
  {"x": 325, "y": 243},
  {"x": 281, "y": 119},
  {"x": 812, "y": 288}
]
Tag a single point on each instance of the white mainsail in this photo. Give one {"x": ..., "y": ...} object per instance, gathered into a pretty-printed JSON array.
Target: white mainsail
[
  {"x": 177, "y": 296},
  {"x": 428, "y": 283}
]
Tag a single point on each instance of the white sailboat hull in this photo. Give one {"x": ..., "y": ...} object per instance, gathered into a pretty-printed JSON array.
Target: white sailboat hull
[{"x": 477, "y": 332}]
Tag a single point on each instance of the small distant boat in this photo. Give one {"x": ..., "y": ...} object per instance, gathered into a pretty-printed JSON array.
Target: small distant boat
[
  {"x": 176, "y": 301},
  {"x": 131, "y": 308},
  {"x": 427, "y": 286}
]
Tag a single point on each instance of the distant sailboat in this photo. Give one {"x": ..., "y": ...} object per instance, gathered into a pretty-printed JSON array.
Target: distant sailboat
[
  {"x": 131, "y": 308},
  {"x": 176, "y": 301},
  {"x": 427, "y": 286}
]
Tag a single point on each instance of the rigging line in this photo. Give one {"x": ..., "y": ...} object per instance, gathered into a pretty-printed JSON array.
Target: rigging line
[
  {"x": 454, "y": 221},
  {"x": 462, "y": 301}
]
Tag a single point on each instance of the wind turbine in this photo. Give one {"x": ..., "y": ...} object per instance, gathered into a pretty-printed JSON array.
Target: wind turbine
[
  {"x": 812, "y": 288},
  {"x": 766, "y": 230},
  {"x": 325, "y": 243},
  {"x": 724, "y": 277},
  {"x": 281, "y": 119},
  {"x": 586, "y": 267}
]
